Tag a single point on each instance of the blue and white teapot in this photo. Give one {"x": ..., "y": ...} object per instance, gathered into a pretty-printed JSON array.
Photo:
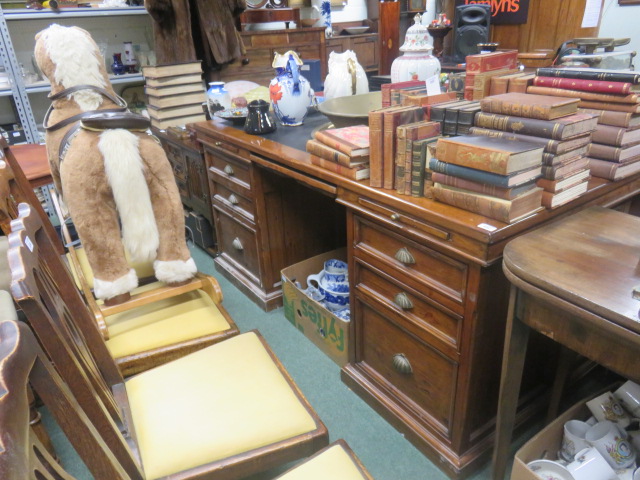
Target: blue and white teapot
[{"x": 290, "y": 93}]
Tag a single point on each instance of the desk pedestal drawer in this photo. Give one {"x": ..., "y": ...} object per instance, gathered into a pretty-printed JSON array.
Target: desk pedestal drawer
[
  {"x": 441, "y": 327},
  {"x": 237, "y": 244},
  {"x": 445, "y": 277},
  {"x": 406, "y": 369}
]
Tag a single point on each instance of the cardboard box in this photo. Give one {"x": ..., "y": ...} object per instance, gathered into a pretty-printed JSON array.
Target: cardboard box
[
  {"x": 328, "y": 332},
  {"x": 547, "y": 442}
]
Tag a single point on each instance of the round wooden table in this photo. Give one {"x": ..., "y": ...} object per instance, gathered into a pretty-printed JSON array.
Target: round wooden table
[{"x": 574, "y": 281}]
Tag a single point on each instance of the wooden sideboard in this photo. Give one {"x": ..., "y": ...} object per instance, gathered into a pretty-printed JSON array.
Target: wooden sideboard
[
  {"x": 261, "y": 46},
  {"x": 430, "y": 366},
  {"x": 187, "y": 162}
]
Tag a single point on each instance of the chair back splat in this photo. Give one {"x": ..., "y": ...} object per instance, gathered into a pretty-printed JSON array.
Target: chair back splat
[{"x": 45, "y": 292}]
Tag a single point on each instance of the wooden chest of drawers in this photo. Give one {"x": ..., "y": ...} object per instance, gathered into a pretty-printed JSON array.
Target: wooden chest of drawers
[
  {"x": 365, "y": 47},
  {"x": 261, "y": 46}
]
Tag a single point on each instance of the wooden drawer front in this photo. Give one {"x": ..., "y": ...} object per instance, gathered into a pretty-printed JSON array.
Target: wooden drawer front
[
  {"x": 427, "y": 388},
  {"x": 366, "y": 50},
  {"x": 441, "y": 325},
  {"x": 176, "y": 158},
  {"x": 445, "y": 278},
  {"x": 234, "y": 172},
  {"x": 232, "y": 200},
  {"x": 237, "y": 242}
]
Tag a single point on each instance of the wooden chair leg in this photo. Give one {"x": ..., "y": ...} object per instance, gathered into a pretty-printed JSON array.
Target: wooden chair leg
[
  {"x": 35, "y": 420},
  {"x": 515, "y": 349}
]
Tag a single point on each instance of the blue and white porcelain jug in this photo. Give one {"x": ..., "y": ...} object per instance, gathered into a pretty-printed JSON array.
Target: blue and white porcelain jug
[{"x": 290, "y": 93}]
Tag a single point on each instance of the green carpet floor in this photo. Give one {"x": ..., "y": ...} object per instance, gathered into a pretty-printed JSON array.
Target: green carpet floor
[{"x": 384, "y": 451}]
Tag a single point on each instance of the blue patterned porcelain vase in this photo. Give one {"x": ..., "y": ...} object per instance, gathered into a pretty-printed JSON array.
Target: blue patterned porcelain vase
[
  {"x": 290, "y": 93},
  {"x": 325, "y": 11}
]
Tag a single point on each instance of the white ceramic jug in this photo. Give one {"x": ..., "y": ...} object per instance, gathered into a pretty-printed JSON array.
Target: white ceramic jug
[{"x": 346, "y": 76}]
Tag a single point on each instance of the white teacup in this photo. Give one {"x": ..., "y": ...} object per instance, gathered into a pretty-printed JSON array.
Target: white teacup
[
  {"x": 607, "y": 438},
  {"x": 606, "y": 407},
  {"x": 573, "y": 440},
  {"x": 629, "y": 396},
  {"x": 589, "y": 464}
]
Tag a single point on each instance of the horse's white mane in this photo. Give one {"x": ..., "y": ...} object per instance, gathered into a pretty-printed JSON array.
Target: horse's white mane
[{"x": 73, "y": 52}]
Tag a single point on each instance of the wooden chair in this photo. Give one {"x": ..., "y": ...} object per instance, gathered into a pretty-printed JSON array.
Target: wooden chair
[
  {"x": 224, "y": 412},
  {"x": 22, "y": 455},
  {"x": 158, "y": 323}
]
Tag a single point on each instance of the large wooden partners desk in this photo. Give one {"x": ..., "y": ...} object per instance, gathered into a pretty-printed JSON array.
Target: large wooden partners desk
[
  {"x": 573, "y": 281},
  {"x": 272, "y": 207}
]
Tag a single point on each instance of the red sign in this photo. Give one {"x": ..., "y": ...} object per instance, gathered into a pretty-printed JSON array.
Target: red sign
[{"x": 503, "y": 11}]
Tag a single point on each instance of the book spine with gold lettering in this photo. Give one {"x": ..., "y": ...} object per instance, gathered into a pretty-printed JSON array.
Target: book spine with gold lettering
[
  {"x": 493, "y": 161},
  {"x": 599, "y": 86},
  {"x": 376, "y": 148},
  {"x": 599, "y": 97}
]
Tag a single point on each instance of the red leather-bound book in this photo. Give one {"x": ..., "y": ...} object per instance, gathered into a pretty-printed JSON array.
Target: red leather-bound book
[
  {"x": 599, "y": 86},
  {"x": 486, "y": 62},
  {"x": 630, "y": 99},
  {"x": 353, "y": 141}
]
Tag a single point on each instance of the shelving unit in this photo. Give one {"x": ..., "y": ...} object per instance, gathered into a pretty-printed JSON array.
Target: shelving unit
[{"x": 109, "y": 26}]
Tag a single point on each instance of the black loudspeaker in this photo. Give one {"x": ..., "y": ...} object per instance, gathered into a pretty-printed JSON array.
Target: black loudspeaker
[{"x": 471, "y": 27}]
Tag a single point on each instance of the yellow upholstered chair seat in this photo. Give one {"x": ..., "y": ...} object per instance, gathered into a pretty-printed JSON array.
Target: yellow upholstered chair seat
[
  {"x": 143, "y": 270},
  {"x": 335, "y": 462},
  {"x": 164, "y": 322},
  {"x": 224, "y": 400}
]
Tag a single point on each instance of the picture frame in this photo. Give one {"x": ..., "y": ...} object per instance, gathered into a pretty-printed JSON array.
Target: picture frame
[{"x": 416, "y": 5}]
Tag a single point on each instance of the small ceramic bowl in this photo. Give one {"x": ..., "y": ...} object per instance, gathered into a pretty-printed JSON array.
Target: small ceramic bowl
[
  {"x": 333, "y": 300},
  {"x": 550, "y": 470}
]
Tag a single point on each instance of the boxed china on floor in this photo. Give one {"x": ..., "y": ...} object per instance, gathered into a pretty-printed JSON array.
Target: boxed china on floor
[
  {"x": 327, "y": 331},
  {"x": 547, "y": 442}
]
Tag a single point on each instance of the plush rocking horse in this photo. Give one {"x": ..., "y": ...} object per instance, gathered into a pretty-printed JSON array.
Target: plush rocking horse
[{"x": 114, "y": 177}]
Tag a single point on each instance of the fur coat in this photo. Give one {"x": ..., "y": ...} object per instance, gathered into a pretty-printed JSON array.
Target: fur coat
[{"x": 215, "y": 21}]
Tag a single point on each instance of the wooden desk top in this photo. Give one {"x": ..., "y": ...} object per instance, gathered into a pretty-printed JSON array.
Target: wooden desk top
[
  {"x": 590, "y": 259},
  {"x": 34, "y": 162},
  {"x": 473, "y": 236}
]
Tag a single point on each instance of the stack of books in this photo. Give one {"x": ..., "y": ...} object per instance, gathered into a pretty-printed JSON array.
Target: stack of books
[
  {"x": 614, "y": 97},
  {"x": 344, "y": 151},
  {"x": 175, "y": 94},
  {"x": 551, "y": 123},
  {"x": 482, "y": 67},
  {"x": 490, "y": 176},
  {"x": 411, "y": 154},
  {"x": 383, "y": 124}
]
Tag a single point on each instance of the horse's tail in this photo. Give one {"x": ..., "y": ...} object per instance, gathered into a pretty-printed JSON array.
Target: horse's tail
[{"x": 124, "y": 169}]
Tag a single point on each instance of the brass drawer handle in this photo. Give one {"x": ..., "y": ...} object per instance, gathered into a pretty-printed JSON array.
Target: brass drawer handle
[
  {"x": 233, "y": 200},
  {"x": 395, "y": 217},
  {"x": 218, "y": 144},
  {"x": 402, "y": 300},
  {"x": 228, "y": 169},
  {"x": 404, "y": 256},
  {"x": 237, "y": 244},
  {"x": 402, "y": 364}
]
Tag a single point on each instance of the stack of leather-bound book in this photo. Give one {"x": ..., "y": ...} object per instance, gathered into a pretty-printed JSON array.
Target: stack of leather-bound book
[
  {"x": 612, "y": 95},
  {"x": 344, "y": 151},
  {"x": 552, "y": 123},
  {"x": 491, "y": 176}
]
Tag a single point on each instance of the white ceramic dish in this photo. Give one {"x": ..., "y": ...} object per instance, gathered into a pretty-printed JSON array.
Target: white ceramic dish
[
  {"x": 549, "y": 470},
  {"x": 356, "y": 30}
]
